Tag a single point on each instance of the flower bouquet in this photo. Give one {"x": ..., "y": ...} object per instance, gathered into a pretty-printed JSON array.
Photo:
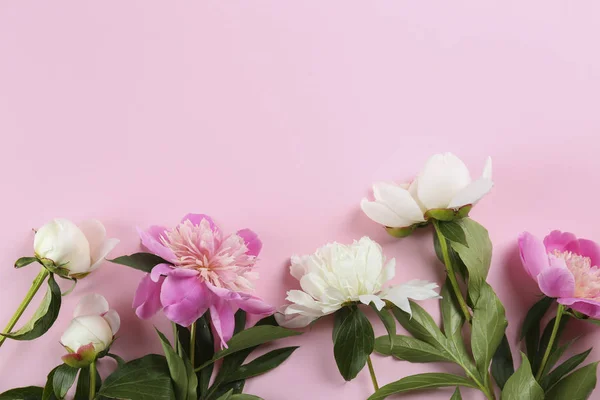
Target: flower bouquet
[{"x": 202, "y": 280}]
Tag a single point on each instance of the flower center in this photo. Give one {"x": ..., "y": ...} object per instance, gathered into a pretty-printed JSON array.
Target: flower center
[{"x": 587, "y": 276}]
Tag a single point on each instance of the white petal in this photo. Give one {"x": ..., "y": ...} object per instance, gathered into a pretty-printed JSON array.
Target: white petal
[
  {"x": 297, "y": 269},
  {"x": 444, "y": 175},
  {"x": 389, "y": 271},
  {"x": 472, "y": 193},
  {"x": 413, "y": 189},
  {"x": 415, "y": 290},
  {"x": 85, "y": 330},
  {"x": 292, "y": 321},
  {"x": 114, "y": 321},
  {"x": 91, "y": 304},
  {"x": 298, "y": 309},
  {"x": 487, "y": 169},
  {"x": 95, "y": 234},
  {"x": 383, "y": 215},
  {"x": 313, "y": 285},
  {"x": 64, "y": 243},
  {"x": 103, "y": 251},
  {"x": 301, "y": 298},
  {"x": 371, "y": 298},
  {"x": 399, "y": 200}
]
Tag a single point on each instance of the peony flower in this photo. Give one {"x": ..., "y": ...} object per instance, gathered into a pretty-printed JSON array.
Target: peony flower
[
  {"x": 565, "y": 268},
  {"x": 442, "y": 190},
  {"x": 337, "y": 274},
  {"x": 91, "y": 331},
  {"x": 70, "y": 249},
  {"x": 204, "y": 271}
]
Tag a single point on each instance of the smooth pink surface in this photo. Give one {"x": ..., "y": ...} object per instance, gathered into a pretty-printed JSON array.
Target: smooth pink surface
[{"x": 278, "y": 116}]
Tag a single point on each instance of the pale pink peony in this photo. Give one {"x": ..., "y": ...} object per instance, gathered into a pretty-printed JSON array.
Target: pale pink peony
[
  {"x": 205, "y": 271},
  {"x": 565, "y": 268}
]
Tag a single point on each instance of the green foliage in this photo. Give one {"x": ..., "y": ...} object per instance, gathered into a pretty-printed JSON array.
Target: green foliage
[
  {"x": 140, "y": 261},
  {"x": 353, "y": 341},
  {"x": 522, "y": 385}
]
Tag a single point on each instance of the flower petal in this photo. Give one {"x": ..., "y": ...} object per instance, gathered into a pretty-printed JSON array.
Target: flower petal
[
  {"x": 388, "y": 272},
  {"x": 557, "y": 280},
  {"x": 102, "y": 252},
  {"x": 472, "y": 193},
  {"x": 561, "y": 241},
  {"x": 185, "y": 299},
  {"x": 252, "y": 241},
  {"x": 91, "y": 304},
  {"x": 487, "y": 169},
  {"x": 383, "y": 215},
  {"x": 442, "y": 178},
  {"x": 301, "y": 298},
  {"x": 399, "y": 200},
  {"x": 534, "y": 256},
  {"x": 245, "y": 301},
  {"x": 415, "y": 290},
  {"x": 147, "y": 297},
  {"x": 95, "y": 233},
  {"x": 367, "y": 299},
  {"x": 588, "y": 307},
  {"x": 588, "y": 248},
  {"x": 151, "y": 239},
  {"x": 196, "y": 219},
  {"x": 292, "y": 321},
  {"x": 223, "y": 320},
  {"x": 114, "y": 320},
  {"x": 160, "y": 270}
]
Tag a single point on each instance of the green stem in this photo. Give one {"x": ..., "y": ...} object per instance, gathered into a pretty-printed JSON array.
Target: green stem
[
  {"x": 192, "y": 343},
  {"x": 372, "y": 372},
  {"x": 175, "y": 339},
  {"x": 35, "y": 286},
  {"x": 92, "y": 380},
  {"x": 559, "y": 313},
  {"x": 451, "y": 273}
]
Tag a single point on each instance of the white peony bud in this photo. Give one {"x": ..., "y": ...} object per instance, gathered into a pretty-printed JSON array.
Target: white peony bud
[{"x": 78, "y": 249}]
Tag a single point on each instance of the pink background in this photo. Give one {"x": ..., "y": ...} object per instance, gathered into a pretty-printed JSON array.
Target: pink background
[{"x": 278, "y": 116}]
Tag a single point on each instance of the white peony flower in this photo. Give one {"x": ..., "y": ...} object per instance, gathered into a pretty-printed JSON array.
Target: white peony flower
[
  {"x": 91, "y": 331},
  {"x": 78, "y": 249},
  {"x": 444, "y": 183},
  {"x": 338, "y": 274}
]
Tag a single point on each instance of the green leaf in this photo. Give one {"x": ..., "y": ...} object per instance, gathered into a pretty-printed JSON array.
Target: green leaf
[
  {"x": 251, "y": 337},
  {"x": 243, "y": 396},
  {"x": 184, "y": 378},
  {"x": 577, "y": 386},
  {"x": 522, "y": 385},
  {"x": 48, "y": 393},
  {"x": 83, "y": 384},
  {"x": 145, "y": 378},
  {"x": 563, "y": 369},
  {"x": 44, "y": 316},
  {"x": 452, "y": 321},
  {"x": 226, "y": 396},
  {"x": 388, "y": 321},
  {"x": 24, "y": 393},
  {"x": 63, "y": 379},
  {"x": 24, "y": 261},
  {"x": 118, "y": 359},
  {"x": 236, "y": 387},
  {"x": 531, "y": 325},
  {"x": 240, "y": 321},
  {"x": 410, "y": 349},
  {"x": 453, "y": 232},
  {"x": 354, "y": 341},
  {"x": 262, "y": 364},
  {"x": 140, "y": 261},
  {"x": 459, "y": 266},
  {"x": 556, "y": 355},
  {"x": 537, "y": 360},
  {"x": 421, "y": 325},
  {"x": 421, "y": 382},
  {"x": 502, "y": 363},
  {"x": 477, "y": 257},
  {"x": 456, "y": 395},
  {"x": 488, "y": 327}
]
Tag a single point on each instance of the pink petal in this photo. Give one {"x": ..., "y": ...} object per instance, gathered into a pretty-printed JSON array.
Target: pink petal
[
  {"x": 147, "y": 297},
  {"x": 561, "y": 241},
  {"x": 557, "y": 280},
  {"x": 160, "y": 270},
  {"x": 197, "y": 218},
  {"x": 252, "y": 241},
  {"x": 151, "y": 239},
  {"x": 245, "y": 301},
  {"x": 590, "y": 249},
  {"x": 533, "y": 254},
  {"x": 590, "y": 308},
  {"x": 223, "y": 320},
  {"x": 184, "y": 298}
]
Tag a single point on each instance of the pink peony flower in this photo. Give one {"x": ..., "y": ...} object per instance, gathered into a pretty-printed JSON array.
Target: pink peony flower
[
  {"x": 206, "y": 271},
  {"x": 565, "y": 268}
]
